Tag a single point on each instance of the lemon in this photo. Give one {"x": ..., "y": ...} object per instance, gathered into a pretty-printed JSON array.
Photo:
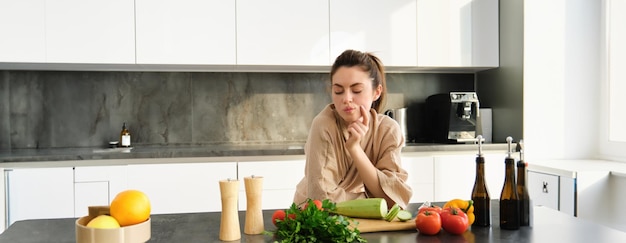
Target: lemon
[{"x": 103, "y": 222}]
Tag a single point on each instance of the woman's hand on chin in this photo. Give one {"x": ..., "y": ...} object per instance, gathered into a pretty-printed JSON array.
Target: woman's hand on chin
[{"x": 357, "y": 130}]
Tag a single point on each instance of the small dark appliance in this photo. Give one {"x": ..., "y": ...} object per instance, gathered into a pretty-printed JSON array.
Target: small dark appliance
[{"x": 452, "y": 117}]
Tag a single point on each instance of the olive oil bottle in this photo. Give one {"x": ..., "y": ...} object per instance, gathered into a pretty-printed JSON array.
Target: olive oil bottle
[
  {"x": 522, "y": 188},
  {"x": 124, "y": 136},
  {"x": 480, "y": 193},
  {"x": 509, "y": 200}
]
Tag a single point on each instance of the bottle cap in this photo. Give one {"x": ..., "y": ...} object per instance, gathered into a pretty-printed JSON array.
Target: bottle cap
[
  {"x": 509, "y": 139},
  {"x": 480, "y": 140},
  {"x": 520, "y": 149}
]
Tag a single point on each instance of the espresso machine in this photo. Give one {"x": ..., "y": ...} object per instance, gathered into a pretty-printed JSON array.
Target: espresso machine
[{"x": 452, "y": 117}]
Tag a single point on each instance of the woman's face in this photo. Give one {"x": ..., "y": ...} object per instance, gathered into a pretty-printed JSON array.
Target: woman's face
[{"x": 351, "y": 88}]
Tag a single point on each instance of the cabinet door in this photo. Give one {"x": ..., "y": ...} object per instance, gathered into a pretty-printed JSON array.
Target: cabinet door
[
  {"x": 455, "y": 176},
  {"x": 421, "y": 177},
  {"x": 80, "y": 31},
  {"x": 543, "y": 189},
  {"x": 40, "y": 193},
  {"x": 3, "y": 201},
  {"x": 282, "y": 32},
  {"x": 386, "y": 28},
  {"x": 185, "y": 32},
  {"x": 97, "y": 186},
  {"x": 457, "y": 33},
  {"x": 567, "y": 195},
  {"x": 22, "y": 24},
  {"x": 181, "y": 187},
  {"x": 279, "y": 181}
]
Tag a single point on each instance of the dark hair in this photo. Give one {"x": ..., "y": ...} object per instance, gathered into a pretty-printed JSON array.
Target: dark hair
[{"x": 368, "y": 63}]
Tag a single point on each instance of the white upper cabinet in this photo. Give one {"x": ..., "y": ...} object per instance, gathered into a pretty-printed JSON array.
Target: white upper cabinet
[
  {"x": 22, "y": 27},
  {"x": 185, "y": 32},
  {"x": 388, "y": 29},
  {"x": 282, "y": 32},
  {"x": 247, "y": 35},
  {"x": 457, "y": 33},
  {"x": 79, "y": 31}
]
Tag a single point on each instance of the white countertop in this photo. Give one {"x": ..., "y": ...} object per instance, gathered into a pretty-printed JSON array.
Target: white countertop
[{"x": 570, "y": 167}]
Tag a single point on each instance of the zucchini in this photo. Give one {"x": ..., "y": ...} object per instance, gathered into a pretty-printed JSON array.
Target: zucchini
[
  {"x": 369, "y": 208},
  {"x": 404, "y": 215},
  {"x": 393, "y": 212}
]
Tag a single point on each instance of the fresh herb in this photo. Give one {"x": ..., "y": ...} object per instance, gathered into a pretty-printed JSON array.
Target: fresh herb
[{"x": 312, "y": 224}]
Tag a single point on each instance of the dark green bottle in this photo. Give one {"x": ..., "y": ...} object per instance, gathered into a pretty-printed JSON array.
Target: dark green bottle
[
  {"x": 509, "y": 200},
  {"x": 480, "y": 193},
  {"x": 522, "y": 188}
]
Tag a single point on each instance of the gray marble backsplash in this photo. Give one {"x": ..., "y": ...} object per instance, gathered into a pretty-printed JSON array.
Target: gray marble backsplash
[{"x": 63, "y": 109}]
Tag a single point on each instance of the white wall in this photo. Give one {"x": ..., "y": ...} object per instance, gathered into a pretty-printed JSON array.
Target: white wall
[
  {"x": 561, "y": 78},
  {"x": 613, "y": 148}
]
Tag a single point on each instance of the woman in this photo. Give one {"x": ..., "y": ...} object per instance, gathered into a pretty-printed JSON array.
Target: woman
[{"x": 353, "y": 151}]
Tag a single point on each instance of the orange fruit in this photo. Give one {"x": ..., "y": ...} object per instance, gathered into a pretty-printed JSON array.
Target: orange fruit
[{"x": 130, "y": 207}]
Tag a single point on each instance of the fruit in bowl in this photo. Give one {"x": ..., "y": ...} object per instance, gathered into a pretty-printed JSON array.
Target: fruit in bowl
[
  {"x": 130, "y": 207},
  {"x": 103, "y": 222},
  {"x": 132, "y": 224}
]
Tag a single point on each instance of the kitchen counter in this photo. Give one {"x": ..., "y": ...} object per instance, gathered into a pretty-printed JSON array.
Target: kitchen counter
[
  {"x": 144, "y": 152},
  {"x": 571, "y": 168},
  {"x": 548, "y": 226}
]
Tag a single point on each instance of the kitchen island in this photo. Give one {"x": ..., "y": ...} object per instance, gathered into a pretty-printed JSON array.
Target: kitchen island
[{"x": 548, "y": 226}]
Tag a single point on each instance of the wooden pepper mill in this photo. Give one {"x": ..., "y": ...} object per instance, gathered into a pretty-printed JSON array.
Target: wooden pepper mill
[
  {"x": 229, "y": 224},
  {"x": 254, "y": 211}
]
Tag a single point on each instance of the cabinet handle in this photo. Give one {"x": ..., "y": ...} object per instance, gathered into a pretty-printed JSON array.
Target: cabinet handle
[{"x": 545, "y": 187}]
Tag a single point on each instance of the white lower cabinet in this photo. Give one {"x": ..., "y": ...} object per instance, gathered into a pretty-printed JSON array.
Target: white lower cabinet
[
  {"x": 455, "y": 175},
  {"x": 279, "y": 181},
  {"x": 97, "y": 186},
  {"x": 39, "y": 193},
  {"x": 421, "y": 178},
  {"x": 544, "y": 189},
  {"x": 3, "y": 202},
  {"x": 553, "y": 191},
  {"x": 182, "y": 187}
]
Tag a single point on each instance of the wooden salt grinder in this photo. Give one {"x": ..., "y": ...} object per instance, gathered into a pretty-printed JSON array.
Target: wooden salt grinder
[
  {"x": 229, "y": 224},
  {"x": 254, "y": 211}
]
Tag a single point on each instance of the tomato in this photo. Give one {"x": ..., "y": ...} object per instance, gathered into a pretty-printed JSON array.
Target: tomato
[
  {"x": 454, "y": 220},
  {"x": 317, "y": 203},
  {"x": 432, "y": 208},
  {"x": 278, "y": 215},
  {"x": 428, "y": 222}
]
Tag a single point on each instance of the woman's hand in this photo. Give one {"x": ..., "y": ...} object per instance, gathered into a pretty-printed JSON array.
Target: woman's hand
[
  {"x": 366, "y": 169},
  {"x": 357, "y": 130}
]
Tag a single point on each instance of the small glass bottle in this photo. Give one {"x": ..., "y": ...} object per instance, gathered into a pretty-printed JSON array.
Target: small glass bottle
[
  {"x": 480, "y": 193},
  {"x": 522, "y": 188},
  {"x": 124, "y": 136},
  {"x": 509, "y": 200}
]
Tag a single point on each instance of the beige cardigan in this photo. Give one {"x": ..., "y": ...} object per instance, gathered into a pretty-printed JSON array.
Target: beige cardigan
[{"x": 329, "y": 172}]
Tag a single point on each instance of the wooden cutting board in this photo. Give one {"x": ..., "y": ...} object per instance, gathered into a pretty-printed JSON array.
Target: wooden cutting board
[{"x": 378, "y": 225}]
